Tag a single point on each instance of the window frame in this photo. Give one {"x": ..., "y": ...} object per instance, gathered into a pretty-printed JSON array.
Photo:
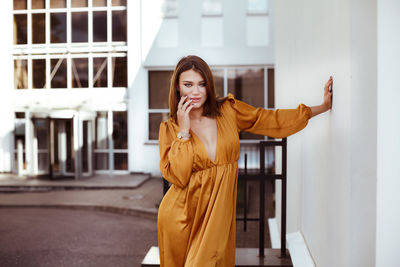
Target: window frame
[{"x": 69, "y": 49}]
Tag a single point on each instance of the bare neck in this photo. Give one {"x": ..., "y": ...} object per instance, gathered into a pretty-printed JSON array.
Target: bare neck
[{"x": 196, "y": 114}]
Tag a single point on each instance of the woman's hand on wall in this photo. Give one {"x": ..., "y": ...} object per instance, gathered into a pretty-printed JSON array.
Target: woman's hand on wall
[
  {"x": 328, "y": 95},
  {"x": 183, "y": 114},
  {"x": 327, "y": 102}
]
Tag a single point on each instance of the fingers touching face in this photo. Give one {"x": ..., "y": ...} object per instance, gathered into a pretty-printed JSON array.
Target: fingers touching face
[{"x": 192, "y": 84}]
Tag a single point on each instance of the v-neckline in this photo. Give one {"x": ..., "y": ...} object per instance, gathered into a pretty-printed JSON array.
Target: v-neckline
[{"x": 204, "y": 147}]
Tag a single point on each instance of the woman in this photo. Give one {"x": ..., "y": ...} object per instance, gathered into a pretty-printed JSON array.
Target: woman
[{"x": 199, "y": 149}]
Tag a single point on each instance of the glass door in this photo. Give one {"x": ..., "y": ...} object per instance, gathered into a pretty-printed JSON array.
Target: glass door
[{"x": 62, "y": 148}]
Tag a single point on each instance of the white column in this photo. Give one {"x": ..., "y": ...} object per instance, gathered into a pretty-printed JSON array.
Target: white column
[
  {"x": 77, "y": 145},
  {"x": 388, "y": 148},
  {"x": 110, "y": 142},
  {"x": 20, "y": 157},
  {"x": 28, "y": 143}
]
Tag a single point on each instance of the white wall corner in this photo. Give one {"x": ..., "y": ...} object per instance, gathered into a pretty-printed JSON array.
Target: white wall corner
[{"x": 298, "y": 249}]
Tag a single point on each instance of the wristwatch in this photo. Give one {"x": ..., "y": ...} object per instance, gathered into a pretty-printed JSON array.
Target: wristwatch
[{"x": 182, "y": 135}]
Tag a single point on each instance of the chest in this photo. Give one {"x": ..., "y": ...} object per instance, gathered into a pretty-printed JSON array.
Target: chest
[{"x": 207, "y": 132}]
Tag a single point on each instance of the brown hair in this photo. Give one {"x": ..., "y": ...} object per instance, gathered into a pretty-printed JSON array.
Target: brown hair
[{"x": 212, "y": 104}]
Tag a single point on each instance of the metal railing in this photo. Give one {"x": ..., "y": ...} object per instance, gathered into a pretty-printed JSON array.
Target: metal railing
[{"x": 261, "y": 176}]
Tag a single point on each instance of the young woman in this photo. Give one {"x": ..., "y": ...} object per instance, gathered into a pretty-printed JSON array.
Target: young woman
[{"x": 199, "y": 149}]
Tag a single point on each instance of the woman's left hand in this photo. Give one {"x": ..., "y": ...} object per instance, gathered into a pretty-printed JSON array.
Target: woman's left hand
[{"x": 328, "y": 95}]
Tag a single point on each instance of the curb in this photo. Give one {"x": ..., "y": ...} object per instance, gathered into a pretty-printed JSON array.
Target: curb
[{"x": 135, "y": 212}]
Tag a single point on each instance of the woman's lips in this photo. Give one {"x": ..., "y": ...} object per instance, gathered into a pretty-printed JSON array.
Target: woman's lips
[{"x": 195, "y": 99}]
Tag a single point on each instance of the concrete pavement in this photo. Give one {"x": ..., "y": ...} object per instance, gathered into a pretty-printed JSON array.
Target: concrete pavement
[{"x": 134, "y": 194}]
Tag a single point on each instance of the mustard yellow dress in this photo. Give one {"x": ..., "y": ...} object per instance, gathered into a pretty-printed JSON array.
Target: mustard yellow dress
[{"x": 197, "y": 216}]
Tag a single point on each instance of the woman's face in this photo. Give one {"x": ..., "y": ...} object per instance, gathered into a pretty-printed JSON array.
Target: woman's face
[{"x": 192, "y": 84}]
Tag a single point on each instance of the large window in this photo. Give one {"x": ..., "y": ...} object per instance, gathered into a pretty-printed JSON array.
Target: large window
[
  {"x": 253, "y": 85},
  {"x": 65, "y": 44},
  {"x": 111, "y": 140}
]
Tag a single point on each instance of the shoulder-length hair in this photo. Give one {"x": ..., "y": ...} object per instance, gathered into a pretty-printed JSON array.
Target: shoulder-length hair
[{"x": 212, "y": 104}]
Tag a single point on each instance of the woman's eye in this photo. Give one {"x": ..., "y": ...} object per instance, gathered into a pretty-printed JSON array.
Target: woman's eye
[
  {"x": 188, "y": 84},
  {"x": 202, "y": 84}
]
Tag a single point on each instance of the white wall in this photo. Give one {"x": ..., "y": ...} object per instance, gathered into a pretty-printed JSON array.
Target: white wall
[
  {"x": 331, "y": 163},
  {"x": 7, "y": 85},
  {"x": 388, "y": 171}
]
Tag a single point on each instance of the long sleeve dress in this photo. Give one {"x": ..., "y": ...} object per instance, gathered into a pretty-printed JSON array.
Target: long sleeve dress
[{"x": 197, "y": 216}]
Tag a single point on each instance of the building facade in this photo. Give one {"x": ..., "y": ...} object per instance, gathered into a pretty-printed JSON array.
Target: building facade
[{"x": 90, "y": 78}]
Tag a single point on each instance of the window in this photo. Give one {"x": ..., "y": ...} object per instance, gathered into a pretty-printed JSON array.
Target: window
[
  {"x": 20, "y": 74},
  {"x": 20, "y": 29},
  {"x": 258, "y": 28},
  {"x": 79, "y": 72},
  {"x": 119, "y": 151},
  {"x": 169, "y": 8},
  {"x": 212, "y": 7},
  {"x": 159, "y": 81},
  {"x": 19, "y": 143},
  {"x": 79, "y": 27},
  {"x": 257, "y": 6},
  {"x": 249, "y": 84},
  {"x": 39, "y": 28},
  {"x": 50, "y": 30},
  {"x": 38, "y": 73}
]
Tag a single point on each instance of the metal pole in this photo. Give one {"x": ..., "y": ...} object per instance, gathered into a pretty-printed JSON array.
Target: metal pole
[
  {"x": 283, "y": 212},
  {"x": 262, "y": 199},
  {"x": 245, "y": 194}
]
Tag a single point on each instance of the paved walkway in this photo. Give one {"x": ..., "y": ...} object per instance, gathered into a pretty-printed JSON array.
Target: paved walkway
[{"x": 136, "y": 194}]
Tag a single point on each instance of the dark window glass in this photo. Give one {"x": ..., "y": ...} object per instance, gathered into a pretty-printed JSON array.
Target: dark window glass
[
  {"x": 38, "y": 4},
  {"x": 101, "y": 161},
  {"x": 58, "y": 4},
  {"x": 42, "y": 133},
  {"x": 119, "y": 2},
  {"x": 38, "y": 73},
  {"x": 247, "y": 84},
  {"x": 19, "y": 137},
  {"x": 38, "y": 28},
  {"x": 20, "y": 29},
  {"x": 101, "y": 130},
  {"x": 69, "y": 130},
  {"x": 20, "y": 115},
  {"x": 23, "y": 160},
  {"x": 121, "y": 161},
  {"x": 79, "y": 72},
  {"x": 20, "y": 74},
  {"x": 154, "y": 124},
  {"x": 159, "y": 81},
  {"x": 79, "y": 26},
  {"x": 120, "y": 129},
  {"x": 119, "y": 72},
  {"x": 99, "y": 2},
  {"x": 119, "y": 26},
  {"x": 271, "y": 88},
  {"x": 19, "y": 4},
  {"x": 100, "y": 26},
  {"x": 58, "y": 27},
  {"x": 19, "y": 132},
  {"x": 79, "y": 3},
  {"x": 59, "y": 70},
  {"x": 219, "y": 82},
  {"x": 43, "y": 161},
  {"x": 99, "y": 72},
  {"x": 85, "y": 147}
]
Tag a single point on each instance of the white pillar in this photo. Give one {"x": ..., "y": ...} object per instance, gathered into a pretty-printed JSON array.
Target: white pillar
[
  {"x": 388, "y": 148},
  {"x": 77, "y": 145},
  {"x": 110, "y": 142}
]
